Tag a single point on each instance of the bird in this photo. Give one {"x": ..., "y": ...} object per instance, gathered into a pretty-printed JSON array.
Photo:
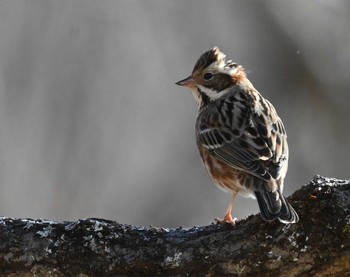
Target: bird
[{"x": 241, "y": 139}]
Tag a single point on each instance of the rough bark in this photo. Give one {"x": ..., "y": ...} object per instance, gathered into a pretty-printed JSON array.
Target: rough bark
[{"x": 319, "y": 245}]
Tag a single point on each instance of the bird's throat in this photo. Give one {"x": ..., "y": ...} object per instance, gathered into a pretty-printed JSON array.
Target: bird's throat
[{"x": 200, "y": 97}]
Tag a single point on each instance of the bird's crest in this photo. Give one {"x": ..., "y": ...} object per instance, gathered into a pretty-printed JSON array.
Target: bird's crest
[{"x": 212, "y": 56}]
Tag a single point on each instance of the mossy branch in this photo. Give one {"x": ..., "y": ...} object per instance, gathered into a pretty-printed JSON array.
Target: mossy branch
[{"x": 319, "y": 245}]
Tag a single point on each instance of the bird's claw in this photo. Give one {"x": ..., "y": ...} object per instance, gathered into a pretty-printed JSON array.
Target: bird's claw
[{"x": 227, "y": 220}]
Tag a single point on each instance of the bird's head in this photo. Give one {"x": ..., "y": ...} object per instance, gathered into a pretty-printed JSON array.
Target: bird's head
[{"x": 212, "y": 76}]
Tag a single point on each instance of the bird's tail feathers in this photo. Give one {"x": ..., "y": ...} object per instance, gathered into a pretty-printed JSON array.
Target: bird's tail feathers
[{"x": 274, "y": 205}]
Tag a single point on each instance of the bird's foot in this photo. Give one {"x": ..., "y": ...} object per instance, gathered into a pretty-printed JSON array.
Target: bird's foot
[{"x": 228, "y": 219}]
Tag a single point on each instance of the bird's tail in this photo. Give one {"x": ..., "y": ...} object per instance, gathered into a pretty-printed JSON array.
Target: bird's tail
[{"x": 274, "y": 205}]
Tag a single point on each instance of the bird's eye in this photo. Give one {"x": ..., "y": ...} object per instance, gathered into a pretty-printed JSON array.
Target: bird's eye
[
  {"x": 232, "y": 65},
  {"x": 207, "y": 76}
]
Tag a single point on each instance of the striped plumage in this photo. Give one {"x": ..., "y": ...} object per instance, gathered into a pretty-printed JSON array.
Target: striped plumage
[{"x": 240, "y": 137}]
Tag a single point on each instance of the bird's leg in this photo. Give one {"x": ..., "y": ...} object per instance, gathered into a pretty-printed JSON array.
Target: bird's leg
[{"x": 228, "y": 217}]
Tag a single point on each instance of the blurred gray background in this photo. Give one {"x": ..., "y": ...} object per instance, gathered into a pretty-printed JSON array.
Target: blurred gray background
[{"x": 92, "y": 125}]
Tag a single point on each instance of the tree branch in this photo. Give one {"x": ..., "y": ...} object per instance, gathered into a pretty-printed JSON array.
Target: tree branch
[{"x": 318, "y": 245}]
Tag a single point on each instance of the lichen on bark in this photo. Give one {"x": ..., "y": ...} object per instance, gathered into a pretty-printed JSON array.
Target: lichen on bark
[{"x": 319, "y": 245}]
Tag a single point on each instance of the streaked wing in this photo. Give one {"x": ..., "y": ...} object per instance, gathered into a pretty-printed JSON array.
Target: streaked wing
[{"x": 258, "y": 147}]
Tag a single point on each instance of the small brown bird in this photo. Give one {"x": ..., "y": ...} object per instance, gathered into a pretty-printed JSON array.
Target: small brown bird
[{"x": 240, "y": 137}]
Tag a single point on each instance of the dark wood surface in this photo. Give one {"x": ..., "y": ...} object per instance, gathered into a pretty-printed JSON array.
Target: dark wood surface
[{"x": 319, "y": 245}]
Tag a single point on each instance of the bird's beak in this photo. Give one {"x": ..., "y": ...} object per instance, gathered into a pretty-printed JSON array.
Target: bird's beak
[{"x": 188, "y": 82}]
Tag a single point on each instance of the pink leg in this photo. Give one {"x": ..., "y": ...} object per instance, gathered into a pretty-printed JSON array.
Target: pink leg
[{"x": 228, "y": 217}]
